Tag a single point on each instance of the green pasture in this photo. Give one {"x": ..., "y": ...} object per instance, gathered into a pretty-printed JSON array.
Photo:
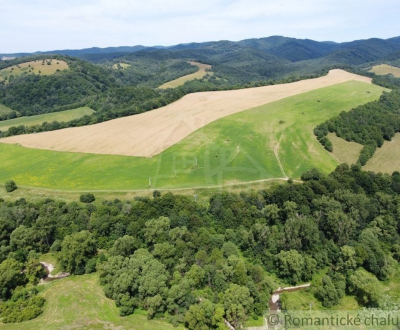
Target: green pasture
[
  {"x": 78, "y": 302},
  {"x": 239, "y": 148},
  {"x": 4, "y": 110},
  {"x": 65, "y": 116}
]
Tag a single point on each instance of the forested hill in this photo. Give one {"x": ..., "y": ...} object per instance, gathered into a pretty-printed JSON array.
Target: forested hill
[
  {"x": 32, "y": 94},
  {"x": 291, "y": 49}
]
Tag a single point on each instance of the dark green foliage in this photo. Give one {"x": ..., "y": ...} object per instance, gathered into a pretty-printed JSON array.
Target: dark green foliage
[
  {"x": 368, "y": 124},
  {"x": 76, "y": 250},
  {"x": 200, "y": 263},
  {"x": 10, "y": 277},
  {"x": 330, "y": 290},
  {"x": 10, "y": 186},
  {"x": 35, "y": 94},
  {"x": 24, "y": 305},
  {"x": 313, "y": 174},
  {"x": 87, "y": 198}
]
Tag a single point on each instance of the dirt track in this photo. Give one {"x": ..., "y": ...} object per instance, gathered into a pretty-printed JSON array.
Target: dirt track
[{"x": 150, "y": 133}]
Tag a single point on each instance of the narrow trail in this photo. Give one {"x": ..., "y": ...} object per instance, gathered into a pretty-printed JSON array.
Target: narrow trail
[
  {"x": 160, "y": 189},
  {"x": 276, "y": 152}
]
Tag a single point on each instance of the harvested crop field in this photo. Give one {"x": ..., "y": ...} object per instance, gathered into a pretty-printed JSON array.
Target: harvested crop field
[
  {"x": 384, "y": 69},
  {"x": 150, "y": 133},
  {"x": 196, "y": 75}
]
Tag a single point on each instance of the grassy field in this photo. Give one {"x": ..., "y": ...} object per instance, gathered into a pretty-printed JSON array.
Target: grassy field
[
  {"x": 387, "y": 158},
  {"x": 384, "y": 69},
  {"x": 36, "y": 67},
  {"x": 197, "y": 75},
  {"x": 66, "y": 115},
  {"x": 267, "y": 142},
  {"x": 4, "y": 110},
  {"x": 78, "y": 302},
  {"x": 122, "y": 65},
  {"x": 344, "y": 151}
]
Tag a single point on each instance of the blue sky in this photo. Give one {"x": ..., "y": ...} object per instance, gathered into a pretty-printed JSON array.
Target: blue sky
[{"x": 32, "y": 25}]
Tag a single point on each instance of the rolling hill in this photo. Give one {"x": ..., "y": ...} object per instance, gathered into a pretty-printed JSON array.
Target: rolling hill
[{"x": 268, "y": 142}]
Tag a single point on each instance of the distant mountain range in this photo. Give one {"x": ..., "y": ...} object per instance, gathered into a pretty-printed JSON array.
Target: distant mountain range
[{"x": 291, "y": 49}]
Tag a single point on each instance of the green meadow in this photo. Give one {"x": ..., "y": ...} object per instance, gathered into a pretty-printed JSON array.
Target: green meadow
[
  {"x": 66, "y": 115},
  {"x": 4, "y": 110},
  {"x": 78, "y": 302},
  {"x": 271, "y": 141}
]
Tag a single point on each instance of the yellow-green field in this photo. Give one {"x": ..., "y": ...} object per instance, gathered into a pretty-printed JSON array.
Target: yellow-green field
[
  {"x": 120, "y": 66},
  {"x": 65, "y": 116},
  {"x": 197, "y": 75},
  {"x": 384, "y": 69},
  {"x": 387, "y": 158},
  {"x": 4, "y": 110},
  {"x": 264, "y": 143},
  {"x": 43, "y": 67},
  {"x": 78, "y": 302},
  {"x": 344, "y": 151}
]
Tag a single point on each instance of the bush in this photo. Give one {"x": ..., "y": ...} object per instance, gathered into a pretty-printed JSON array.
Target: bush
[
  {"x": 87, "y": 198},
  {"x": 10, "y": 186}
]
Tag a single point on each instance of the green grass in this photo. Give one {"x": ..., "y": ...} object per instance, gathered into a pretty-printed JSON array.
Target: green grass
[
  {"x": 386, "y": 158},
  {"x": 78, "y": 302},
  {"x": 238, "y": 148},
  {"x": 66, "y": 115},
  {"x": 4, "y": 110},
  {"x": 345, "y": 151}
]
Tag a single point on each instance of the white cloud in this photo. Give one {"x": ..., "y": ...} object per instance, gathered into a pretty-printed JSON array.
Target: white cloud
[{"x": 29, "y": 25}]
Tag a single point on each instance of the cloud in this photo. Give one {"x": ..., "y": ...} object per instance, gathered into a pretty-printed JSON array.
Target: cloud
[{"x": 48, "y": 25}]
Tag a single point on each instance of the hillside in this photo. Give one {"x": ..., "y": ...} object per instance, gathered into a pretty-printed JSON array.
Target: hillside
[
  {"x": 150, "y": 133},
  {"x": 268, "y": 142}
]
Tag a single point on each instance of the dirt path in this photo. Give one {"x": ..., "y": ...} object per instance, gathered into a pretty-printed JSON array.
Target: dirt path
[
  {"x": 276, "y": 152},
  {"x": 150, "y": 133},
  {"x": 160, "y": 189},
  {"x": 50, "y": 277},
  {"x": 274, "y": 304}
]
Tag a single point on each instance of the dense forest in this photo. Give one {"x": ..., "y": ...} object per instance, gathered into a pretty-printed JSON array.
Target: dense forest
[
  {"x": 199, "y": 264},
  {"x": 369, "y": 124}
]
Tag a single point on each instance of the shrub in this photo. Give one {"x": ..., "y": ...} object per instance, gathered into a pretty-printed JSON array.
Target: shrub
[
  {"x": 10, "y": 186},
  {"x": 87, "y": 198}
]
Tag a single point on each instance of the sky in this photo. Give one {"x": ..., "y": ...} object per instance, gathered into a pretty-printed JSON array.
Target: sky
[{"x": 42, "y": 25}]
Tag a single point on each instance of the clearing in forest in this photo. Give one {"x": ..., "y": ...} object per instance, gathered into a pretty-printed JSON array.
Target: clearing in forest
[
  {"x": 148, "y": 134},
  {"x": 79, "y": 302},
  {"x": 120, "y": 66},
  {"x": 196, "y": 75},
  {"x": 264, "y": 143},
  {"x": 40, "y": 67},
  {"x": 4, "y": 110},
  {"x": 384, "y": 69},
  {"x": 386, "y": 158},
  {"x": 345, "y": 151},
  {"x": 60, "y": 116}
]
